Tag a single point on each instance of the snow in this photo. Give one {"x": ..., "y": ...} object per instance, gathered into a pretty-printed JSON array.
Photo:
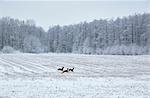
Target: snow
[{"x": 95, "y": 76}]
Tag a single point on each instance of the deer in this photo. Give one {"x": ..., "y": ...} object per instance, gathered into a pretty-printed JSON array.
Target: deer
[
  {"x": 66, "y": 70},
  {"x": 71, "y": 69},
  {"x": 61, "y": 69}
]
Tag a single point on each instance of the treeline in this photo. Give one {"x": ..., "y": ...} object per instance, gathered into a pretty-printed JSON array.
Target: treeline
[{"x": 127, "y": 35}]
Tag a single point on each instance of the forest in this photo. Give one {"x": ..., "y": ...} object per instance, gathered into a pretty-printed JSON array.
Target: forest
[{"x": 128, "y": 35}]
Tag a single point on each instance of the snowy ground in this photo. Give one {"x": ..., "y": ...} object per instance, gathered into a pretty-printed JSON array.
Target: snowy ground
[{"x": 103, "y": 76}]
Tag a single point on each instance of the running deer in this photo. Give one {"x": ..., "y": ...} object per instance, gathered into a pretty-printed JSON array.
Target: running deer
[
  {"x": 66, "y": 70},
  {"x": 71, "y": 69},
  {"x": 61, "y": 69}
]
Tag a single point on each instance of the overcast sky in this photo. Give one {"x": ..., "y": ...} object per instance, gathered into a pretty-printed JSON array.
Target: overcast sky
[{"x": 47, "y": 13}]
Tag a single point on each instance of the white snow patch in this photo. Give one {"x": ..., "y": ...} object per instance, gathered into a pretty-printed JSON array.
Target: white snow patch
[{"x": 95, "y": 76}]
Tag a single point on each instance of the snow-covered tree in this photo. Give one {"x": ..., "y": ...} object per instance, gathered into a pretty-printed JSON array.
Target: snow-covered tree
[
  {"x": 105, "y": 36},
  {"x": 32, "y": 45}
]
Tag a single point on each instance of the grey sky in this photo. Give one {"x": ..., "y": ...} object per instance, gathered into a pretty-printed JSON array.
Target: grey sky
[{"x": 46, "y": 13}]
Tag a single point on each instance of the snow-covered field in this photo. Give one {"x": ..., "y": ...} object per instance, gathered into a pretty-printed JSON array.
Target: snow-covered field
[{"x": 103, "y": 76}]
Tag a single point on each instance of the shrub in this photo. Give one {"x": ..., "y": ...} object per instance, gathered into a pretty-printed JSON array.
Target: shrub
[{"x": 8, "y": 49}]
